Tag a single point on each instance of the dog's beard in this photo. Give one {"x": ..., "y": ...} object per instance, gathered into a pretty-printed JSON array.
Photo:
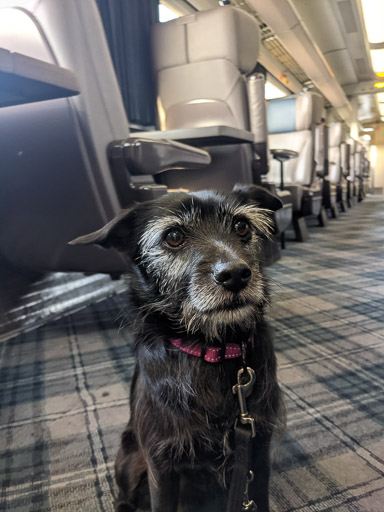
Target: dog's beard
[
  {"x": 193, "y": 303},
  {"x": 217, "y": 324},
  {"x": 214, "y": 311},
  {"x": 201, "y": 307}
]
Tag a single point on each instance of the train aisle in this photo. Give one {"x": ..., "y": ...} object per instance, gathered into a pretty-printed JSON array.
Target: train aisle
[
  {"x": 64, "y": 386},
  {"x": 328, "y": 314}
]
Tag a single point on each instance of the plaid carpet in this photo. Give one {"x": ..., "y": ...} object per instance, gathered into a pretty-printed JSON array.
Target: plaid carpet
[{"x": 64, "y": 387}]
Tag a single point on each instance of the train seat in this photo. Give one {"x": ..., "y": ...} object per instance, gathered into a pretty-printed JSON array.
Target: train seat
[
  {"x": 335, "y": 174},
  {"x": 201, "y": 62},
  {"x": 320, "y": 145},
  {"x": 291, "y": 125},
  {"x": 321, "y": 154},
  {"x": 351, "y": 177},
  {"x": 261, "y": 164},
  {"x": 58, "y": 179},
  {"x": 335, "y": 131},
  {"x": 365, "y": 169},
  {"x": 342, "y": 191},
  {"x": 359, "y": 164}
]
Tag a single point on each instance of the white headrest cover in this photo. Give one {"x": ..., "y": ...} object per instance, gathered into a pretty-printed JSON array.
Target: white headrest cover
[
  {"x": 295, "y": 113},
  {"x": 309, "y": 108},
  {"x": 222, "y": 33},
  {"x": 352, "y": 144},
  {"x": 335, "y": 132}
]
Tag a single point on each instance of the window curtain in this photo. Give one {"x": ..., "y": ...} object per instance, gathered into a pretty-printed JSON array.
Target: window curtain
[{"x": 127, "y": 25}]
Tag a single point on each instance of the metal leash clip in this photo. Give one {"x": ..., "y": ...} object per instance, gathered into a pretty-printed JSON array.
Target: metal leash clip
[
  {"x": 248, "y": 505},
  {"x": 243, "y": 391}
]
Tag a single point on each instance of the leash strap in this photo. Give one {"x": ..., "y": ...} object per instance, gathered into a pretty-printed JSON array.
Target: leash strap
[
  {"x": 244, "y": 431},
  {"x": 243, "y": 451}
]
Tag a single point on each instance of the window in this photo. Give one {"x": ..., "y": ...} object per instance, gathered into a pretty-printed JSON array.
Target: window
[
  {"x": 166, "y": 14},
  {"x": 274, "y": 90}
]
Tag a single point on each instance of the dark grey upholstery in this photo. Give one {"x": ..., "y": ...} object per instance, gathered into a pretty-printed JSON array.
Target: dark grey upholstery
[{"x": 58, "y": 178}]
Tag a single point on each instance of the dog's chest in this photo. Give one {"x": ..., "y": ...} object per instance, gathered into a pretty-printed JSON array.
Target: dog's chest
[{"x": 190, "y": 410}]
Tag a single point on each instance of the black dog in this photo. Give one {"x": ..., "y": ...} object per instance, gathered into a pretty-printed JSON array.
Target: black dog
[{"x": 196, "y": 302}]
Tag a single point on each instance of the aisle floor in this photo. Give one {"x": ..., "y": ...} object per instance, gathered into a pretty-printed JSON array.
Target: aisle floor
[{"x": 64, "y": 386}]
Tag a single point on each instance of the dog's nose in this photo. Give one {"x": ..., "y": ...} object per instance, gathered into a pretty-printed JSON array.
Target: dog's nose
[{"x": 233, "y": 275}]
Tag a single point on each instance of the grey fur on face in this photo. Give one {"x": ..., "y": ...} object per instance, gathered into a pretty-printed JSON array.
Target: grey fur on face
[
  {"x": 179, "y": 281},
  {"x": 184, "y": 276}
]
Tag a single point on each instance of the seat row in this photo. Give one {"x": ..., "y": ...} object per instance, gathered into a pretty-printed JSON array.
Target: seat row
[
  {"x": 71, "y": 164},
  {"x": 204, "y": 65}
]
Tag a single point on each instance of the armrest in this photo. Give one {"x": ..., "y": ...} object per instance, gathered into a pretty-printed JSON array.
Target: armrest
[
  {"x": 145, "y": 156},
  {"x": 201, "y": 136}
]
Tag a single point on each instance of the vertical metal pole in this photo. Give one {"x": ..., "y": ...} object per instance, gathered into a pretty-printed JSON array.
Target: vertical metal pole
[{"x": 281, "y": 175}]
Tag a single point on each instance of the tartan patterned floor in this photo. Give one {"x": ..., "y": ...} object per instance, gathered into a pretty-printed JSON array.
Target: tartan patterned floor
[{"x": 64, "y": 387}]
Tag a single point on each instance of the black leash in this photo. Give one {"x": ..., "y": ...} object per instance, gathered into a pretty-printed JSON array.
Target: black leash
[
  {"x": 243, "y": 450},
  {"x": 245, "y": 431}
]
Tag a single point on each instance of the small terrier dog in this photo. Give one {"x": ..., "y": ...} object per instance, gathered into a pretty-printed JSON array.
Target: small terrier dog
[{"x": 196, "y": 295}]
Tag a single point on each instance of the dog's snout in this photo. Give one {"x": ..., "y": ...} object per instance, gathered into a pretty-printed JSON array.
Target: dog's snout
[{"x": 234, "y": 275}]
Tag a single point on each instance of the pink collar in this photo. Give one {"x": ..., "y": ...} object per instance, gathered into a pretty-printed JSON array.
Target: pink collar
[{"x": 212, "y": 354}]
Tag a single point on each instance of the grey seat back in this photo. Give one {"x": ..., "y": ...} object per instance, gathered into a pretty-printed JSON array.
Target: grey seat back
[
  {"x": 201, "y": 61},
  {"x": 365, "y": 159},
  {"x": 320, "y": 150},
  {"x": 54, "y": 152},
  {"x": 352, "y": 159},
  {"x": 291, "y": 125},
  {"x": 335, "y": 134},
  {"x": 359, "y": 156}
]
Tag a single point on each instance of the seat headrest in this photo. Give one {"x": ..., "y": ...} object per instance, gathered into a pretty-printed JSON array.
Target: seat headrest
[
  {"x": 352, "y": 144},
  {"x": 335, "y": 133},
  {"x": 295, "y": 113},
  {"x": 222, "y": 33}
]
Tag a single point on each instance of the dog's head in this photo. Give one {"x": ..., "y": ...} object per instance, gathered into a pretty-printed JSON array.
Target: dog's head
[{"x": 195, "y": 257}]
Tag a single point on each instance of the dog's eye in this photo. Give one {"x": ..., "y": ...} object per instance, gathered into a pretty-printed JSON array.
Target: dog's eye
[
  {"x": 242, "y": 228},
  {"x": 174, "y": 237}
]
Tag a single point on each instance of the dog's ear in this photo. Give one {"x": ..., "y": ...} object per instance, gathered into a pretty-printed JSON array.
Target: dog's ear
[
  {"x": 260, "y": 195},
  {"x": 116, "y": 233}
]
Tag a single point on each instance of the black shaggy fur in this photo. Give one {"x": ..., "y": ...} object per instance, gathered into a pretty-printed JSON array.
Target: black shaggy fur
[{"x": 177, "y": 449}]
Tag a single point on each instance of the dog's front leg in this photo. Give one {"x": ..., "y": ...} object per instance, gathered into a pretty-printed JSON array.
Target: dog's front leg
[{"x": 164, "y": 490}]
